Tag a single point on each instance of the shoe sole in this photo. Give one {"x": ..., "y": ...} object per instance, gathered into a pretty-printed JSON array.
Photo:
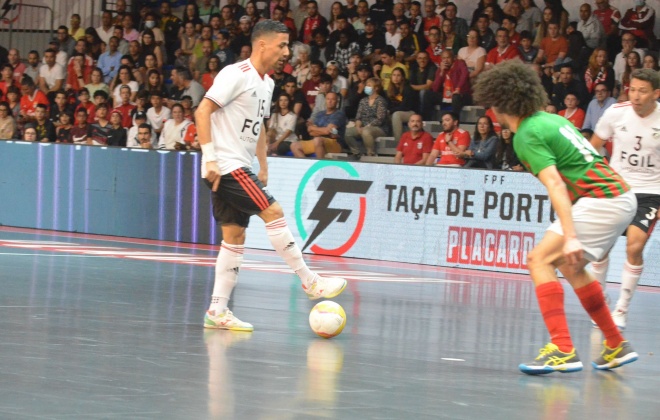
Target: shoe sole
[
  {"x": 337, "y": 293},
  {"x": 215, "y": 326},
  {"x": 628, "y": 358},
  {"x": 571, "y": 367}
]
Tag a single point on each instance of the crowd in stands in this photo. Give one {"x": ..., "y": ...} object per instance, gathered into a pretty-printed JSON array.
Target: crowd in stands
[{"x": 360, "y": 73}]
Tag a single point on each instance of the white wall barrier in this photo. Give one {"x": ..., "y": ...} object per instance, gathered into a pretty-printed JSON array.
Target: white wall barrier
[{"x": 486, "y": 220}]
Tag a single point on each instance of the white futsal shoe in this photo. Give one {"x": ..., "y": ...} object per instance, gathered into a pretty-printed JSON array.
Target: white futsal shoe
[
  {"x": 324, "y": 287},
  {"x": 225, "y": 321}
]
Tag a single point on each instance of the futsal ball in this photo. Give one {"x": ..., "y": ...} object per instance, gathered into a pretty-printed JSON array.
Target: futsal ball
[{"x": 327, "y": 319}]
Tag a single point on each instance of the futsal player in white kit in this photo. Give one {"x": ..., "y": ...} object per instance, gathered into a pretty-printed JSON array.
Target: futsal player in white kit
[
  {"x": 229, "y": 120},
  {"x": 634, "y": 129}
]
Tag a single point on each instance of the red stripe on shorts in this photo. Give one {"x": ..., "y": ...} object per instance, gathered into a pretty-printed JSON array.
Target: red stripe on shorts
[{"x": 251, "y": 188}]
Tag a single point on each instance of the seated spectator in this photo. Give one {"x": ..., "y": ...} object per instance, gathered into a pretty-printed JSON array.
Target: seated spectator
[
  {"x": 299, "y": 106},
  {"x": 450, "y": 89},
  {"x": 51, "y": 75},
  {"x": 32, "y": 67},
  {"x": 117, "y": 135},
  {"x": 553, "y": 48},
  {"x": 473, "y": 55},
  {"x": 640, "y": 20},
  {"x": 61, "y": 106},
  {"x": 633, "y": 62},
  {"x": 14, "y": 101},
  {"x": 486, "y": 35},
  {"x": 153, "y": 81},
  {"x": 96, "y": 83},
  {"x": 414, "y": 145},
  {"x": 80, "y": 130},
  {"x": 409, "y": 45},
  {"x": 528, "y": 52},
  {"x": 14, "y": 59},
  {"x": 505, "y": 156},
  {"x": 45, "y": 128},
  {"x": 402, "y": 101},
  {"x": 388, "y": 56},
  {"x": 125, "y": 107},
  {"x": 460, "y": 24},
  {"x": 212, "y": 70},
  {"x": 223, "y": 51},
  {"x": 142, "y": 103},
  {"x": 356, "y": 91},
  {"x": 371, "y": 42},
  {"x": 7, "y": 123},
  {"x": 302, "y": 66},
  {"x": 30, "y": 133},
  {"x": 133, "y": 138},
  {"x": 174, "y": 131},
  {"x": 590, "y": 27},
  {"x": 188, "y": 109},
  {"x": 282, "y": 126},
  {"x": 157, "y": 114},
  {"x": 63, "y": 129},
  {"x": 124, "y": 78},
  {"x": 85, "y": 103},
  {"x": 601, "y": 101},
  {"x": 572, "y": 113},
  {"x": 503, "y": 51},
  {"x": 450, "y": 40},
  {"x": 578, "y": 53},
  {"x": 31, "y": 97},
  {"x": 101, "y": 130},
  {"x": 370, "y": 120},
  {"x": 598, "y": 71},
  {"x": 550, "y": 109},
  {"x": 190, "y": 86},
  {"x": 339, "y": 82},
  {"x": 187, "y": 40},
  {"x": 327, "y": 128},
  {"x": 110, "y": 60},
  {"x": 320, "y": 48},
  {"x": 449, "y": 144},
  {"x": 435, "y": 48},
  {"x": 481, "y": 153},
  {"x": 79, "y": 74},
  {"x": 421, "y": 76},
  {"x": 392, "y": 34},
  {"x": 325, "y": 87},
  {"x": 353, "y": 63},
  {"x": 311, "y": 87},
  {"x": 567, "y": 83},
  {"x": 343, "y": 50},
  {"x": 431, "y": 18},
  {"x": 628, "y": 43},
  {"x": 650, "y": 62},
  {"x": 7, "y": 81},
  {"x": 509, "y": 23},
  {"x": 137, "y": 72}
]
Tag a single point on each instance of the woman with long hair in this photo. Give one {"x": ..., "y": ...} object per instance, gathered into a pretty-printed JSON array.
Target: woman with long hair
[
  {"x": 481, "y": 153},
  {"x": 560, "y": 13},
  {"x": 402, "y": 101},
  {"x": 505, "y": 156},
  {"x": 633, "y": 62},
  {"x": 336, "y": 9},
  {"x": 370, "y": 120},
  {"x": 530, "y": 18},
  {"x": 650, "y": 62},
  {"x": 212, "y": 70},
  {"x": 301, "y": 63},
  {"x": 93, "y": 43},
  {"x": 451, "y": 41},
  {"x": 252, "y": 12},
  {"x": 497, "y": 11},
  {"x": 227, "y": 21},
  {"x": 473, "y": 54},
  {"x": 599, "y": 71},
  {"x": 124, "y": 77},
  {"x": 191, "y": 14},
  {"x": 187, "y": 40},
  {"x": 149, "y": 47},
  {"x": 154, "y": 82},
  {"x": 282, "y": 126},
  {"x": 96, "y": 82},
  {"x": 542, "y": 29}
]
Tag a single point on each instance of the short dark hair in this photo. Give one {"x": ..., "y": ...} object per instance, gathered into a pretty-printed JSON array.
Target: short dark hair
[
  {"x": 184, "y": 73},
  {"x": 41, "y": 106},
  {"x": 389, "y": 50},
  {"x": 101, "y": 93},
  {"x": 510, "y": 18},
  {"x": 27, "y": 81},
  {"x": 60, "y": 92},
  {"x": 50, "y": 50},
  {"x": 325, "y": 78},
  {"x": 81, "y": 109},
  {"x": 647, "y": 75},
  {"x": 145, "y": 125},
  {"x": 454, "y": 116},
  {"x": 512, "y": 87},
  {"x": 268, "y": 27},
  {"x": 526, "y": 35},
  {"x": 317, "y": 62}
]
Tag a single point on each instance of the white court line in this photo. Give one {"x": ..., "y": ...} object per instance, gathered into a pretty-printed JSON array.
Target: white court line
[
  {"x": 449, "y": 359},
  {"x": 13, "y": 254}
]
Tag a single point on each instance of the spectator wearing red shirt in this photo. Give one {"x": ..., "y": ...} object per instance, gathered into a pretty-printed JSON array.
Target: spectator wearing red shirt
[
  {"x": 503, "y": 51},
  {"x": 509, "y": 23},
  {"x": 7, "y": 80},
  {"x": 31, "y": 98},
  {"x": 572, "y": 113},
  {"x": 16, "y": 63},
  {"x": 86, "y": 104},
  {"x": 125, "y": 107},
  {"x": 415, "y": 145},
  {"x": 431, "y": 18},
  {"x": 553, "y": 48},
  {"x": 452, "y": 142},
  {"x": 639, "y": 20},
  {"x": 313, "y": 21},
  {"x": 451, "y": 87},
  {"x": 311, "y": 86}
]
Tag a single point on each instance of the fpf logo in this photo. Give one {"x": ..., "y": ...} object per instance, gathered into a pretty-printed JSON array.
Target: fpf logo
[{"x": 324, "y": 213}]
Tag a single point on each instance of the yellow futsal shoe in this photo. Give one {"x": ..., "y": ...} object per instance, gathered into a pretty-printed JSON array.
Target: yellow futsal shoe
[
  {"x": 226, "y": 321},
  {"x": 551, "y": 359}
]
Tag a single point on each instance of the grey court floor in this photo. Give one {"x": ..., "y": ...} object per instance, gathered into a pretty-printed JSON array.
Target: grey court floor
[{"x": 98, "y": 327}]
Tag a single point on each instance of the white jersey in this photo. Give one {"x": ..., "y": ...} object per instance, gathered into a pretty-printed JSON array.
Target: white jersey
[
  {"x": 635, "y": 145},
  {"x": 243, "y": 96}
]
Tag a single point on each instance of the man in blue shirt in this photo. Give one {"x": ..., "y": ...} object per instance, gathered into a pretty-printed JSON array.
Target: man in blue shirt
[
  {"x": 327, "y": 129},
  {"x": 110, "y": 60},
  {"x": 601, "y": 101}
]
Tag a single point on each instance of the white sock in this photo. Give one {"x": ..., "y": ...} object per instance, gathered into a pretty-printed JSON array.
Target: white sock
[
  {"x": 629, "y": 279},
  {"x": 599, "y": 271},
  {"x": 226, "y": 275},
  {"x": 282, "y": 240}
]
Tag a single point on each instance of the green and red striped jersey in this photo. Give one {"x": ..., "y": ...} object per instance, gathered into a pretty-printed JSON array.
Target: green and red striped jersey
[{"x": 543, "y": 140}]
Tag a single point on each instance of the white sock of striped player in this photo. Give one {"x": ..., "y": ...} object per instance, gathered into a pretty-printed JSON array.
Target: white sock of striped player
[
  {"x": 629, "y": 279},
  {"x": 599, "y": 271},
  {"x": 282, "y": 240},
  {"x": 227, "y": 266}
]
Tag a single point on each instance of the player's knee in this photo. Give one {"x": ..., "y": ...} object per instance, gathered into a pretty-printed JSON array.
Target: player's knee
[
  {"x": 273, "y": 212},
  {"x": 534, "y": 259},
  {"x": 635, "y": 249}
]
